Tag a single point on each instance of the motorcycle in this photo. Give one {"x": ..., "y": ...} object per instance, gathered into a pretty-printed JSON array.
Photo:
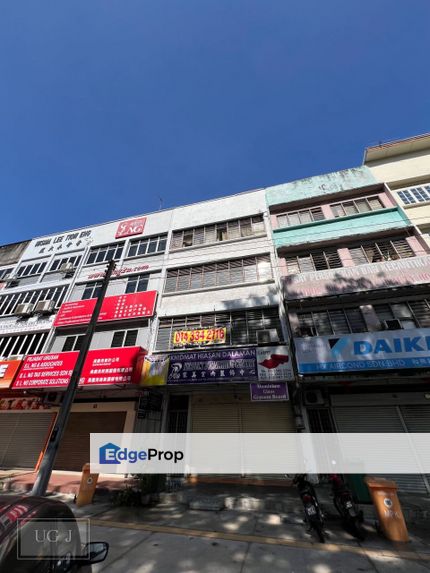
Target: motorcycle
[
  {"x": 343, "y": 499},
  {"x": 313, "y": 513}
]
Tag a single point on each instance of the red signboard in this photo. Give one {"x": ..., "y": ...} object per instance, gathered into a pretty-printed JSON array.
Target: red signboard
[
  {"x": 8, "y": 370},
  {"x": 130, "y": 227},
  {"x": 109, "y": 366},
  {"x": 118, "y": 307}
]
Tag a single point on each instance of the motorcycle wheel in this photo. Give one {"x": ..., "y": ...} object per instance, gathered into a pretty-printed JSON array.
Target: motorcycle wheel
[
  {"x": 356, "y": 530},
  {"x": 319, "y": 531}
]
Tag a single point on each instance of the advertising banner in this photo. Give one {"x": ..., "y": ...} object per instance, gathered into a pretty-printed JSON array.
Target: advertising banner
[
  {"x": 233, "y": 365},
  {"x": 207, "y": 336},
  {"x": 109, "y": 366},
  {"x": 117, "y": 307},
  {"x": 269, "y": 392},
  {"x": 364, "y": 351},
  {"x": 274, "y": 363},
  {"x": 155, "y": 370},
  {"x": 8, "y": 370}
]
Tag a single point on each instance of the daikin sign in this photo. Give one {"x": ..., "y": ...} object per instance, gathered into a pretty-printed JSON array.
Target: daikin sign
[{"x": 364, "y": 351}]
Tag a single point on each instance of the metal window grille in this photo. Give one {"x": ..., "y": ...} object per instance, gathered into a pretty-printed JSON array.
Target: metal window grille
[
  {"x": 9, "y": 302},
  {"x": 242, "y": 326},
  {"x": 218, "y": 232},
  {"x": 250, "y": 269},
  {"x": 22, "y": 344}
]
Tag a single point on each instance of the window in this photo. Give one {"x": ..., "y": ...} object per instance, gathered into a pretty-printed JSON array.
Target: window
[
  {"x": 410, "y": 314},
  {"x": 22, "y": 344},
  {"x": 300, "y": 217},
  {"x": 417, "y": 194},
  {"x": 137, "y": 283},
  {"x": 218, "y": 232},
  {"x": 326, "y": 322},
  {"x": 382, "y": 250},
  {"x": 5, "y": 273},
  {"x": 147, "y": 246},
  {"x": 251, "y": 269},
  {"x": 92, "y": 290},
  {"x": 8, "y": 303},
  {"x": 30, "y": 270},
  {"x": 355, "y": 206},
  {"x": 63, "y": 261},
  {"x": 314, "y": 261},
  {"x": 124, "y": 338},
  {"x": 242, "y": 326},
  {"x": 73, "y": 343},
  {"x": 105, "y": 254}
]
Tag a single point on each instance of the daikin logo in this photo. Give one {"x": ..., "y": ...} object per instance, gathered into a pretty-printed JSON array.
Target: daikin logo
[
  {"x": 112, "y": 454},
  {"x": 398, "y": 344}
]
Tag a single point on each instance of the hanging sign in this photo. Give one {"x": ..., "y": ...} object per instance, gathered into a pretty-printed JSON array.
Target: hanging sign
[
  {"x": 200, "y": 336},
  {"x": 274, "y": 363},
  {"x": 269, "y": 391}
]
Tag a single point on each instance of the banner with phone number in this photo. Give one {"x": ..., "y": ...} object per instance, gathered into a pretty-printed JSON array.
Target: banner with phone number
[{"x": 200, "y": 336}]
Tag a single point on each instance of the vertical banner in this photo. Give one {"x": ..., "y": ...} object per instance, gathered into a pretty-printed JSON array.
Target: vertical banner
[{"x": 155, "y": 370}]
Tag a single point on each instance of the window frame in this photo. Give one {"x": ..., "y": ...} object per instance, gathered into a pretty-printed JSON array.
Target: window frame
[
  {"x": 330, "y": 320},
  {"x": 380, "y": 245},
  {"x": 136, "y": 243},
  {"x": 119, "y": 246},
  {"x": 138, "y": 278},
  {"x": 124, "y": 333},
  {"x": 315, "y": 214},
  {"x": 295, "y": 260},
  {"x": 408, "y": 195},
  {"x": 9, "y": 302},
  {"x": 367, "y": 198}
]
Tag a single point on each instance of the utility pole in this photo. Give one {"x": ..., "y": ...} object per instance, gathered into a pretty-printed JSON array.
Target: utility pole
[{"x": 44, "y": 475}]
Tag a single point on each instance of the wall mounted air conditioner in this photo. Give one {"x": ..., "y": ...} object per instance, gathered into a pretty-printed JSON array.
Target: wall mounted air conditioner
[
  {"x": 267, "y": 336},
  {"x": 392, "y": 324},
  {"x": 307, "y": 331},
  {"x": 45, "y": 306},
  {"x": 67, "y": 268},
  {"x": 314, "y": 398},
  {"x": 24, "y": 309}
]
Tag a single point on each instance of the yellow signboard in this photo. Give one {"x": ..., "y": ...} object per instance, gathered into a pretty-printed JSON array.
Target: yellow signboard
[{"x": 206, "y": 336}]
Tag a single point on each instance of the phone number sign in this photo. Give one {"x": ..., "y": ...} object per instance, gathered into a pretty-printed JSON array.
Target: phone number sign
[{"x": 206, "y": 336}]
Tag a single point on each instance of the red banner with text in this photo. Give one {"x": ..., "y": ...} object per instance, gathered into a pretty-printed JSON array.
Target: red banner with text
[{"x": 120, "y": 307}]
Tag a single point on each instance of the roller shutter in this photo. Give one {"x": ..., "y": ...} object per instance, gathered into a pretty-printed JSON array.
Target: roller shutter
[
  {"x": 23, "y": 437},
  {"x": 74, "y": 450},
  {"x": 379, "y": 419}
]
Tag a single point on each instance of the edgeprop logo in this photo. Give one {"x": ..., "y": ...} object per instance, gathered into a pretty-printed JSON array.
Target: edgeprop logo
[{"x": 112, "y": 454}]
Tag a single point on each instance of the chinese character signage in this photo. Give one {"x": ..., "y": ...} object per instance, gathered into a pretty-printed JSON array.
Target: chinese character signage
[
  {"x": 364, "y": 351},
  {"x": 269, "y": 391},
  {"x": 107, "y": 367},
  {"x": 206, "y": 336},
  {"x": 8, "y": 370},
  {"x": 274, "y": 364},
  {"x": 233, "y": 365},
  {"x": 118, "y": 307},
  {"x": 130, "y": 228}
]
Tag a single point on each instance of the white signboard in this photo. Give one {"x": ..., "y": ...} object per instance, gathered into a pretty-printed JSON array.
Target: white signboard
[{"x": 274, "y": 364}]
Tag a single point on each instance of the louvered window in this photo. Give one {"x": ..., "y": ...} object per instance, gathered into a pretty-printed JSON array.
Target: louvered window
[
  {"x": 335, "y": 321},
  {"x": 250, "y": 269},
  {"x": 300, "y": 217},
  {"x": 22, "y": 344},
  {"x": 410, "y": 314},
  {"x": 355, "y": 206},
  {"x": 218, "y": 232},
  {"x": 382, "y": 250},
  {"x": 314, "y": 261},
  {"x": 241, "y": 326},
  {"x": 8, "y": 303}
]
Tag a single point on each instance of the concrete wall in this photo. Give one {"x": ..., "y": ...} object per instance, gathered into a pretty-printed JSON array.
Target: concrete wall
[{"x": 400, "y": 170}]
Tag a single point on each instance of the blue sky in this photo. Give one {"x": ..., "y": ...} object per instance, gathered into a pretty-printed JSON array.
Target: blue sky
[{"x": 106, "y": 106}]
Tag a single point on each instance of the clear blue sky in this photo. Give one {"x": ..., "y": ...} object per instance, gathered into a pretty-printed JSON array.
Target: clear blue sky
[{"x": 108, "y": 105}]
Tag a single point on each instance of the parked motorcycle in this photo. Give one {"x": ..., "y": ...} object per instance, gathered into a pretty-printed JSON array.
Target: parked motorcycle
[
  {"x": 313, "y": 513},
  {"x": 343, "y": 499}
]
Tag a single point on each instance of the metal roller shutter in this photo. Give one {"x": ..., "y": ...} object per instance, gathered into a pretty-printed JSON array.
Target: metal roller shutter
[
  {"x": 215, "y": 417},
  {"x": 23, "y": 437},
  {"x": 74, "y": 450},
  {"x": 417, "y": 419},
  {"x": 276, "y": 417},
  {"x": 378, "y": 419}
]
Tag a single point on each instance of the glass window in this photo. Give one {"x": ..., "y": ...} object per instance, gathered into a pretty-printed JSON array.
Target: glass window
[
  {"x": 92, "y": 290},
  {"x": 124, "y": 338},
  {"x": 137, "y": 283},
  {"x": 105, "y": 254}
]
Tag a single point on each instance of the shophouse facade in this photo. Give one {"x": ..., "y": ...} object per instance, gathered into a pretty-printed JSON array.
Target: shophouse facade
[{"x": 355, "y": 273}]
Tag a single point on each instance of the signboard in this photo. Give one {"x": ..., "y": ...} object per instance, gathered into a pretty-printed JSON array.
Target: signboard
[
  {"x": 411, "y": 271},
  {"x": 269, "y": 392},
  {"x": 8, "y": 370},
  {"x": 274, "y": 364},
  {"x": 8, "y": 404},
  {"x": 18, "y": 325},
  {"x": 109, "y": 366},
  {"x": 119, "y": 307},
  {"x": 206, "y": 336},
  {"x": 155, "y": 370},
  {"x": 93, "y": 273},
  {"x": 130, "y": 227},
  {"x": 382, "y": 350},
  {"x": 233, "y": 365}
]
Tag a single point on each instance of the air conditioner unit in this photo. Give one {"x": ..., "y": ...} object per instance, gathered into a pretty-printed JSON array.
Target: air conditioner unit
[
  {"x": 314, "y": 398},
  {"x": 267, "y": 336},
  {"x": 12, "y": 283},
  {"x": 45, "y": 306},
  {"x": 392, "y": 324},
  {"x": 307, "y": 331},
  {"x": 24, "y": 309},
  {"x": 67, "y": 268}
]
